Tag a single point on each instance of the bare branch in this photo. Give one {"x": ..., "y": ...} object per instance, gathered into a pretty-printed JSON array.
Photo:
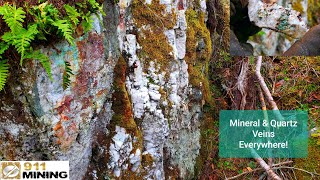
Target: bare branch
[
  {"x": 268, "y": 169},
  {"x": 265, "y": 114},
  {"x": 264, "y": 85},
  {"x": 299, "y": 169},
  {"x": 259, "y": 169}
]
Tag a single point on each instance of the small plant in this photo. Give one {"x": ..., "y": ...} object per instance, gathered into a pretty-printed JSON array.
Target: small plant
[
  {"x": 66, "y": 75},
  {"x": 46, "y": 21},
  {"x": 3, "y": 73}
]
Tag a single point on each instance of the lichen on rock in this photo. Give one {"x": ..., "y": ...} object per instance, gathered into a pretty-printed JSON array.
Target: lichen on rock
[{"x": 135, "y": 98}]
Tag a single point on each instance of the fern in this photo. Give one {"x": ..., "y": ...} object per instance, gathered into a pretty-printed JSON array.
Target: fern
[
  {"x": 3, "y": 48},
  {"x": 87, "y": 22},
  {"x": 47, "y": 20},
  {"x": 65, "y": 27},
  {"x": 73, "y": 14},
  {"x": 4, "y": 69},
  {"x": 44, "y": 60},
  {"x": 66, "y": 75},
  {"x": 12, "y": 16},
  {"x": 21, "y": 39},
  {"x": 95, "y": 5}
]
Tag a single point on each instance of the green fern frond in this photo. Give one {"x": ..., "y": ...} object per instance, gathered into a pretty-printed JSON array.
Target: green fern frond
[
  {"x": 87, "y": 22},
  {"x": 73, "y": 14},
  {"x": 65, "y": 27},
  {"x": 21, "y": 39},
  {"x": 12, "y": 16},
  {"x": 66, "y": 75},
  {"x": 44, "y": 60},
  {"x": 3, "y": 47},
  {"x": 4, "y": 69},
  {"x": 95, "y": 5}
]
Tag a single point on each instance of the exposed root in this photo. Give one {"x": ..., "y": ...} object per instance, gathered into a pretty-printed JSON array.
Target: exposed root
[{"x": 242, "y": 82}]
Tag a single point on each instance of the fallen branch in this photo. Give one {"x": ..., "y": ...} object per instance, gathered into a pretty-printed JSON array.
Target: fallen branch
[
  {"x": 265, "y": 114},
  {"x": 263, "y": 84},
  {"x": 299, "y": 169},
  {"x": 260, "y": 169},
  {"x": 268, "y": 169}
]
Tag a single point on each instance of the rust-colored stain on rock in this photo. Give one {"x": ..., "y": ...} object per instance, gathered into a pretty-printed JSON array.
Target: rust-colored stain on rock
[{"x": 65, "y": 104}]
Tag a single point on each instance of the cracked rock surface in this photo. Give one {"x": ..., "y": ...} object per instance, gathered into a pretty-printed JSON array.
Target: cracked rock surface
[{"x": 127, "y": 113}]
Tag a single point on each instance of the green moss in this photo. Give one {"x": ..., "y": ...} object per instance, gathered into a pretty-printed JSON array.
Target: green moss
[
  {"x": 300, "y": 91},
  {"x": 123, "y": 115},
  {"x": 198, "y": 58},
  {"x": 283, "y": 25},
  {"x": 121, "y": 103},
  {"x": 313, "y": 12},
  {"x": 296, "y": 5},
  {"x": 311, "y": 163},
  {"x": 152, "y": 20}
]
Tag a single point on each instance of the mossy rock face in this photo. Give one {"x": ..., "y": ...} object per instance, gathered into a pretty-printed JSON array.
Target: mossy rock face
[
  {"x": 152, "y": 20},
  {"x": 121, "y": 106},
  {"x": 198, "y": 52}
]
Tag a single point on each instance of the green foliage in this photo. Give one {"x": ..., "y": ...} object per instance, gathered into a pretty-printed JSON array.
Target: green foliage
[
  {"x": 66, "y": 75},
  {"x": 12, "y": 16},
  {"x": 46, "y": 21},
  {"x": 65, "y": 27},
  {"x": 21, "y": 39},
  {"x": 3, "y": 65},
  {"x": 87, "y": 22},
  {"x": 73, "y": 14},
  {"x": 3, "y": 48},
  {"x": 44, "y": 60},
  {"x": 4, "y": 69},
  {"x": 44, "y": 15}
]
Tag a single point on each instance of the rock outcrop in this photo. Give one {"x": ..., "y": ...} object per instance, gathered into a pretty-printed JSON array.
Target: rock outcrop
[{"x": 134, "y": 106}]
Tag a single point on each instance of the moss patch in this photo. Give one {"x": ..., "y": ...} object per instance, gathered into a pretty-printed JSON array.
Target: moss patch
[
  {"x": 198, "y": 52},
  {"x": 296, "y": 87},
  {"x": 152, "y": 20},
  {"x": 296, "y": 5},
  {"x": 121, "y": 105},
  {"x": 313, "y": 12},
  {"x": 311, "y": 163},
  {"x": 123, "y": 114}
]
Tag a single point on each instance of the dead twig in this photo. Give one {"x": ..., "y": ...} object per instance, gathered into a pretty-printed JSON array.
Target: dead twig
[
  {"x": 312, "y": 174},
  {"x": 259, "y": 169}
]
